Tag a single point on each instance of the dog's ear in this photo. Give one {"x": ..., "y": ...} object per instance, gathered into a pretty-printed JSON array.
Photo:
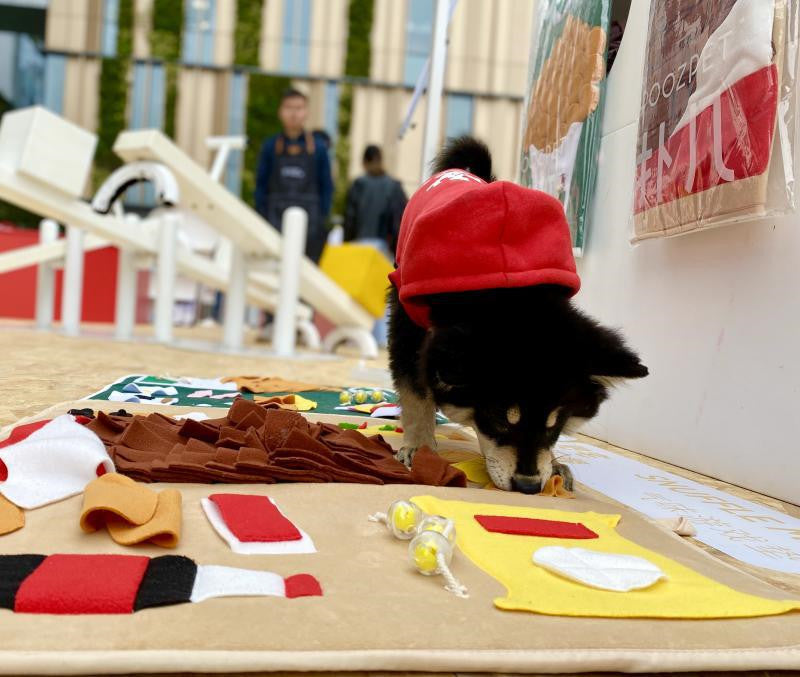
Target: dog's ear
[{"x": 606, "y": 355}]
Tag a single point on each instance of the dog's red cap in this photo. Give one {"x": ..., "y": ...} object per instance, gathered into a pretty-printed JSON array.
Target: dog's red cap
[{"x": 460, "y": 233}]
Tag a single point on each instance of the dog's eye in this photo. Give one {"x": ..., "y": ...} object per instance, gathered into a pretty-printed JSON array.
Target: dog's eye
[{"x": 513, "y": 415}]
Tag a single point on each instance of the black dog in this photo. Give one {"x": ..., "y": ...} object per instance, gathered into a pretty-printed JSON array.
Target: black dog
[{"x": 517, "y": 364}]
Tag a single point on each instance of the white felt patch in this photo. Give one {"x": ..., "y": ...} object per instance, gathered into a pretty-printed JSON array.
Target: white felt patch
[
  {"x": 603, "y": 570},
  {"x": 54, "y": 462},
  {"x": 194, "y": 415},
  {"x": 301, "y": 546},
  {"x": 218, "y": 581},
  {"x": 117, "y": 396}
]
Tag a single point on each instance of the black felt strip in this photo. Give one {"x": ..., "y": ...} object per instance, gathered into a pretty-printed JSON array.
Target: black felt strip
[
  {"x": 13, "y": 570},
  {"x": 168, "y": 580},
  {"x": 88, "y": 413}
]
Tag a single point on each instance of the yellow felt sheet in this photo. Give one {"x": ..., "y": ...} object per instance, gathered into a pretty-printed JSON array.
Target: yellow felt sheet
[{"x": 507, "y": 558}]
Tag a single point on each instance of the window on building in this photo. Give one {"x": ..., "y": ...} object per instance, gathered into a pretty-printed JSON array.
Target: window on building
[
  {"x": 53, "y": 90},
  {"x": 22, "y": 53},
  {"x": 459, "y": 115},
  {"x": 198, "y": 32},
  {"x": 109, "y": 27},
  {"x": 419, "y": 33},
  {"x": 332, "y": 109},
  {"x": 237, "y": 102},
  {"x": 147, "y": 112},
  {"x": 296, "y": 36}
]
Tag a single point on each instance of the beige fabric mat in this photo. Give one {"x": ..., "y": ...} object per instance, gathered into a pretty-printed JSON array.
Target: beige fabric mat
[{"x": 377, "y": 613}]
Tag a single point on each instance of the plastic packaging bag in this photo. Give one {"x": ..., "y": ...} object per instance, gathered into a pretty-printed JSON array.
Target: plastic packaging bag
[
  {"x": 718, "y": 115},
  {"x": 562, "y": 124}
]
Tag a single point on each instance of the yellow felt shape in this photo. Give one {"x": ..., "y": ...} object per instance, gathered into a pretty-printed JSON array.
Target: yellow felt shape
[
  {"x": 475, "y": 470},
  {"x": 507, "y": 558},
  {"x": 293, "y": 402},
  {"x": 11, "y": 516},
  {"x": 361, "y": 270},
  {"x": 163, "y": 529},
  {"x": 304, "y": 404},
  {"x": 115, "y": 494},
  {"x": 363, "y": 408}
]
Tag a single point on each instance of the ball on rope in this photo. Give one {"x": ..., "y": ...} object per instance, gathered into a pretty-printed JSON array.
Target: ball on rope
[
  {"x": 439, "y": 524},
  {"x": 403, "y": 518},
  {"x": 427, "y": 549}
]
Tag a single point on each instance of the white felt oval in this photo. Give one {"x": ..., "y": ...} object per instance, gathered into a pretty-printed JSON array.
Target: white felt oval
[{"x": 603, "y": 570}]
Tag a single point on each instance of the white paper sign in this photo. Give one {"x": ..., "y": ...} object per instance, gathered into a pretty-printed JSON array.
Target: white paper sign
[{"x": 748, "y": 531}]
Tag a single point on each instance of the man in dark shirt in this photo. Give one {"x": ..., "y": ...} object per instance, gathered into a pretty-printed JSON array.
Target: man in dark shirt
[
  {"x": 374, "y": 209},
  {"x": 294, "y": 170},
  {"x": 375, "y": 204}
]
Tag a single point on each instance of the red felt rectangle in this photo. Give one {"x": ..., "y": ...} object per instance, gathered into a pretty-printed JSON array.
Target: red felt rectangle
[
  {"x": 255, "y": 519},
  {"x": 526, "y": 526},
  {"x": 22, "y": 431},
  {"x": 302, "y": 585},
  {"x": 82, "y": 584}
]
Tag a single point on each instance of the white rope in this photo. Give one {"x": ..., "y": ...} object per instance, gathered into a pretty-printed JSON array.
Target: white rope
[
  {"x": 381, "y": 517},
  {"x": 453, "y": 584}
]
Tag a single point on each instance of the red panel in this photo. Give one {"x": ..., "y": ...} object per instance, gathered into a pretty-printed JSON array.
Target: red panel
[
  {"x": 82, "y": 584},
  {"x": 254, "y": 518},
  {"x": 525, "y": 526},
  {"x": 22, "y": 431},
  {"x": 302, "y": 585},
  {"x": 18, "y": 288}
]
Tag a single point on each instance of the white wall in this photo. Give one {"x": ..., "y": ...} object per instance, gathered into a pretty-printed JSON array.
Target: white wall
[{"x": 715, "y": 315}]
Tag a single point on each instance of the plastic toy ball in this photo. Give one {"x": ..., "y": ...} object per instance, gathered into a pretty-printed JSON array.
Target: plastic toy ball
[
  {"x": 403, "y": 518},
  {"x": 344, "y": 397},
  {"x": 376, "y": 396},
  {"x": 439, "y": 524},
  {"x": 426, "y": 551},
  {"x": 360, "y": 396}
]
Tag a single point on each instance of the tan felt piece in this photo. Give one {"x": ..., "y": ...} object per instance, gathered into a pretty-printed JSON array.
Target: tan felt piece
[
  {"x": 164, "y": 529},
  {"x": 554, "y": 487},
  {"x": 12, "y": 517},
  {"x": 567, "y": 90},
  {"x": 113, "y": 494},
  {"x": 132, "y": 512},
  {"x": 272, "y": 384}
]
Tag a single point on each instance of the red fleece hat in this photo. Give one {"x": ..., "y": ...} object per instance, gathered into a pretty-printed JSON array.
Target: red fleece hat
[{"x": 460, "y": 233}]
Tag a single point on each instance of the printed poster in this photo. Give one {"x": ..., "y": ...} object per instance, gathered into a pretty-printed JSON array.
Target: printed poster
[
  {"x": 709, "y": 103},
  {"x": 563, "y": 108}
]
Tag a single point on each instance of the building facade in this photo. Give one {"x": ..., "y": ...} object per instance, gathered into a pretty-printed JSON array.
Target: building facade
[{"x": 199, "y": 68}]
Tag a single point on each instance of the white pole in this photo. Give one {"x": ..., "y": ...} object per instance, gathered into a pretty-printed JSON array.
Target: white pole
[
  {"x": 165, "y": 276},
  {"x": 235, "y": 300},
  {"x": 125, "y": 305},
  {"x": 430, "y": 143},
  {"x": 46, "y": 278},
  {"x": 125, "y": 313},
  {"x": 72, "y": 292},
  {"x": 219, "y": 162},
  {"x": 293, "y": 245}
]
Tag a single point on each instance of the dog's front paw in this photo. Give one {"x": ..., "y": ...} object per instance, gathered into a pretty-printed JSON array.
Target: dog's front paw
[
  {"x": 565, "y": 473},
  {"x": 406, "y": 456}
]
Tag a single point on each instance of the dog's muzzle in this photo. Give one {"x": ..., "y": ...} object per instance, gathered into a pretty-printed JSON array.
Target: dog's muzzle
[{"x": 526, "y": 484}]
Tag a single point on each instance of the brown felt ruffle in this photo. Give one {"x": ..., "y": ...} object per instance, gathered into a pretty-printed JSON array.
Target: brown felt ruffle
[{"x": 254, "y": 443}]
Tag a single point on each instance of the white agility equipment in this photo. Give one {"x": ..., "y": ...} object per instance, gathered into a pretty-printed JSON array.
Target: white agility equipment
[
  {"x": 248, "y": 263},
  {"x": 258, "y": 241}
]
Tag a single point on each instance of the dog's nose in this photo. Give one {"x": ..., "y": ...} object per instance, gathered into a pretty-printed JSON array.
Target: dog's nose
[{"x": 527, "y": 484}]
